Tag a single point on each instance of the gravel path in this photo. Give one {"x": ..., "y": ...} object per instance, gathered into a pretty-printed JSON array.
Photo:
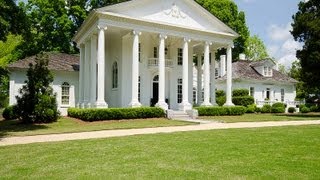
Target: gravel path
[{"x": 129, "y": 132}]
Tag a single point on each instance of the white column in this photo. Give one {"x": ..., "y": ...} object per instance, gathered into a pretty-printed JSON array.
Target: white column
[
  {"x": 161, "y": 103},
  {"x": 229, "y": 78},
  {"x": 101, "y": 103},
  {"x": 135, "y": 70},
  {"x": 199, "y": 81},
  {"x": 93, "y": 67},
  {"x": 222, "y": 65},
  {"x": 206, "y": 78},
  {"x": 86, "y": 76},
  {"x": 185, "y": 105},
  {"x": 213, "y": 79},
  {"x": 81, "y": 69}
]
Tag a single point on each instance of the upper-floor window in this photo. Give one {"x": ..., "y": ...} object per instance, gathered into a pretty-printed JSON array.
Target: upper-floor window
[
  {"x": 180, "y": 56},
  {"x": 155, "y": 52},
  {"x": 65, "y": 93},
  {"x": 267, "y": 71},
  {"x": 115, "y": 75}
]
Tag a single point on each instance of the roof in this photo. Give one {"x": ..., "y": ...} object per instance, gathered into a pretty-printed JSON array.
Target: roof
[
  {"x": 262, "y": 62},
  {"x": 244, "y": 70},
  {"x": 57, "y": 62}
]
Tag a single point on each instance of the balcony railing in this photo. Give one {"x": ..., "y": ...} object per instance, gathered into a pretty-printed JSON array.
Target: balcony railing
[
  {"x": 154, "y": 62},
  {"x": 288, "y": 103}
]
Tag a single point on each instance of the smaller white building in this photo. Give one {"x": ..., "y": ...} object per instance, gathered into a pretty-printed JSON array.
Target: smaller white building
[
  {"x": 265, "y": 83},
  {"x": 65, "y": 69}
]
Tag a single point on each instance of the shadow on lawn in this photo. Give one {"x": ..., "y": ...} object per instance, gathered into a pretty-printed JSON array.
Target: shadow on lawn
[{"x": 7, "y": 126}]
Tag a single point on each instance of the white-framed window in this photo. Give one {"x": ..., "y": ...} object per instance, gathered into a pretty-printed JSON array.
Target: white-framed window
[
  {"x": 139, "y": 86},
  {"x": 179, "y": 91},
  {"x": 216, "y": 72},
  {"x": 139, "y": 52},
  {"x": 251, "y": 91},
  {"x": 282, "y": 95},
  {"x": 115, "y": 75},
  {"x": 194, "y": 95},
  {"x": 65, "y": 93},
  {"x": 268, "y": 93},
  {"x": 180, "y": 56},
  {"x": 267, "y": 71},
  {"x": 155, "y": 52}
]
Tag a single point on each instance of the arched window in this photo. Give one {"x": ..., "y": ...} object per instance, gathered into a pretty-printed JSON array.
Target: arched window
[
  {"x": 156, "y": 78},
  {"x": 115, "y": 75},
  {"x": 65, "y": 93}
]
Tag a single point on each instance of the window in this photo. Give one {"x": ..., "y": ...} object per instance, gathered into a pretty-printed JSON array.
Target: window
[
  {"x": 155, "y": 52},
  {"x": 252, "y": 91},
  {"x": 216, "y": 72},
  {"x": 267, "y": 71},
  {"x": 268, "y": 94},
  {"x": 139, "y": 52},
  {"x": 115, "y": 75},
  {"x": 282, "y": 95},
  {"x": 139, "y": 82},
  {"x": 180, "y": 56},
  {"x": 194, "y": 95},
  {"x": 179, "y": 93},
  {"x": 166, "y": 51},
  {"x": 65, "y": 93}
]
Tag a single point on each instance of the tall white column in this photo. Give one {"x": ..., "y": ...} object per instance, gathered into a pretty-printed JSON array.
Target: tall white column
[
  {"x": 81, "y": 69},
  {"x": 135, "y": 70},
  {"x": 222, "y": 65},
  {"x": 213, "y": 79},
  {"x": 86, "y": 89},
  {"x": 229, "y": 78},
  {"x": 101, "y": 103},
  {"x": 161, "y": 102},
  {"x": 185, "y": 105},
  {"x": 93, "y": 67},
  {"x": 206, "y": 78},
  {"x": 199, "y": 80}
]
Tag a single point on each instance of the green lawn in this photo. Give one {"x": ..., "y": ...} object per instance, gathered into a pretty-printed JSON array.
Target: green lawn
[
  {"x": 63, "y": 125},
  {"x": 258, "y": 153},
  {"x": 263, "y": 117}
]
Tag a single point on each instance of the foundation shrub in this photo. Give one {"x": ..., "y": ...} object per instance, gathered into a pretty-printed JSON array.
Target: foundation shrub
[
  {"x": 291, "y": 109},
  {"x": 221, "y": 111},
  {"x": 266, "y": 108}
]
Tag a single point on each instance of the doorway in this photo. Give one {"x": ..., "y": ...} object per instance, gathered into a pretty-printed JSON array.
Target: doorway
[{"x": 155, "y": 90}]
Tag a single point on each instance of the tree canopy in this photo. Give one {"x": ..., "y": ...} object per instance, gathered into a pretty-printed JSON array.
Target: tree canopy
[
  {"x": 255, "y": 49},
  {"x": 306, "y": 29}
]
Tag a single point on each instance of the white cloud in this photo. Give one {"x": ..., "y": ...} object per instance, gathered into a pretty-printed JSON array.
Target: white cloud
[
  {"x": 278, "y": 32},
  {"x": 248, "y": 1}
]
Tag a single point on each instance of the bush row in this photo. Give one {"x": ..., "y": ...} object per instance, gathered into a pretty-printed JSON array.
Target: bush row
[
  {"x": 221, "y": 111},
  {"x": 10, "y": 113},
  {"x": 116, "y": 113}
]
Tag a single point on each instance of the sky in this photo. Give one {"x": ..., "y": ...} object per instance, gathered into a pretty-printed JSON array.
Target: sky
[{"x": 271, "y": 21}]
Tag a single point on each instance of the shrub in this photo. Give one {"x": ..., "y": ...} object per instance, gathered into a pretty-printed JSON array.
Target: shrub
[
  {"x": 220, "y": 93},
  {"x": 266, "y": 108},
  {"x": 10, "y": 113},
  {"x": 221, "y": 100},
  {"x": 251, "y": 108},
  {"x": 221, "y": 111},
  {"x": 314, "y": 109},
  {"x": 240, "y": 92},
  {"x": 279, "y": 104},
  {"x": 115, "y": 113},
  {"x": 291, "y": 109},
  {"x": 278, "y": 108},
  {"x": 258, "y": 110},
  {"x": 304, "y": 109},
  {"x": 243, "y": 100}
]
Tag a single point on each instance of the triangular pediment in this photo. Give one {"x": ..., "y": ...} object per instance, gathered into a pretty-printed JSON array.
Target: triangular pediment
[{"x": 185, "y": 13}]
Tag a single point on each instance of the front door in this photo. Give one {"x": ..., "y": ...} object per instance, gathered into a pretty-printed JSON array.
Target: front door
[{"x": 155, "y": 91}]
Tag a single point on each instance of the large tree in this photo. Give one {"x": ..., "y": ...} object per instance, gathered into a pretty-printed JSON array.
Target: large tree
[
  {"x": 306, "y": 29},
  {"x": 255, "y": 49},
  {"x": 227, "y": 12}
]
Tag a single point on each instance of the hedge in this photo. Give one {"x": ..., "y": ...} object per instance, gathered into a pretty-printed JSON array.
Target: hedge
[
  {"x": 221, "y": 111},
  {"x": 266, "y": 108},
  {"x": 243, "y": 100},
  {"x": 291, "y": 109},
  {"x": 278, "y": 108},
  {"x": 240, "y": 92},
  {"x": 116, "y": 113},
  {"x": 10, "y": 113},
  {"x": 251, "y": 108},
  {"x": 221, "y": 100},
  {"x": 304, "y": 109}
]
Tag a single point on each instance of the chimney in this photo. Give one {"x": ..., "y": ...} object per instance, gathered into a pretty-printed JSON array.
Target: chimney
[
  {"x": 242, "y": 56},
  {"x": 222, "y": 65}
]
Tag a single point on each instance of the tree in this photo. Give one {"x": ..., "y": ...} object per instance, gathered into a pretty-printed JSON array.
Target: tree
[
  {"x": 37, "y": 103},
  {"x": 282, "y": 69},
  {"x": 227, "y": 12},
  {"x": 255, "y": 49},
  {"x": 295, "y": 72},
  {"x": 306, "y": 29}
]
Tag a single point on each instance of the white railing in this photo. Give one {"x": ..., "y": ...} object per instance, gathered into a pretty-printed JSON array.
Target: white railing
[
  {"x": 154, "y": 62},
  {"x": 288, "y": 103}
]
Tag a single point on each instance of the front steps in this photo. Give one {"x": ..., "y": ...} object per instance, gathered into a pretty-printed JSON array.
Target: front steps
[{"x": 184, "y": 116}]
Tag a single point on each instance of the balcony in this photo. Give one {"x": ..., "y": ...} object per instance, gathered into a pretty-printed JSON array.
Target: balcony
[{"x": 154, "y": 62}]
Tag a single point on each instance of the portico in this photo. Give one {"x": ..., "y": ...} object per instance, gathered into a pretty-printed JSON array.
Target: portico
[{"x": 123, "y": 48}]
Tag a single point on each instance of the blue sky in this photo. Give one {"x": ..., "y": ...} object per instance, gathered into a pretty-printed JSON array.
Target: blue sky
[{"x": 271, "y": 21}]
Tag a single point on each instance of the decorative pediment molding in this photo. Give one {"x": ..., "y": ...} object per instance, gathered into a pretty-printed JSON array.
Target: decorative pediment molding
[{"x": 175, "y": 12}]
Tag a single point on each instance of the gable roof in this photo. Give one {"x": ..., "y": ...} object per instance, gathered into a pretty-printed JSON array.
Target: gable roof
[
  {"x": 262, "y": 62},
  {"x": 244, "y": 70},
  {"x": 57, "y": 62}
]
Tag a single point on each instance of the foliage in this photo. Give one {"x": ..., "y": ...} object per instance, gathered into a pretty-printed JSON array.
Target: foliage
[
  {"x": 295, "y": 72},
  {"x": 306, "y": 29},
  {"x": 255, "y": 49},
  {"x": 221, "y": 100},
  {"x": 37, "y": 103},
  {"x": 282, "y": 69},
  {"x": 115, "y": 113},
  {"x": 258, "y": 110},
  {"x": 8, "y": 51},
  {"x": 251, "y": 108},
  {"x": 279, "y": 104},
  {"x": 291, "y": 110},
  {"x": 266, "y": 108},
  {"x": 243, "y": 100},
  {"x": 240, "y": 92},
  {"x": 227, "y": 12},
  {"x": 314, "y": 109},
  {"x": 304, "y": 109},
  {"x": 10, "y": 112},
  {"x": 221, "y": 111},
  {"x": 220, "y": 93},
  {"x": 278, "y": 110}
]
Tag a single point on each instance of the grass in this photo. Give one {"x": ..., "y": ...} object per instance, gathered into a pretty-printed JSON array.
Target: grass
[
  {"x": 263, "y": 117},
  {"x": 258, "y": 153},
  {"x": 64, "y": 125}
]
